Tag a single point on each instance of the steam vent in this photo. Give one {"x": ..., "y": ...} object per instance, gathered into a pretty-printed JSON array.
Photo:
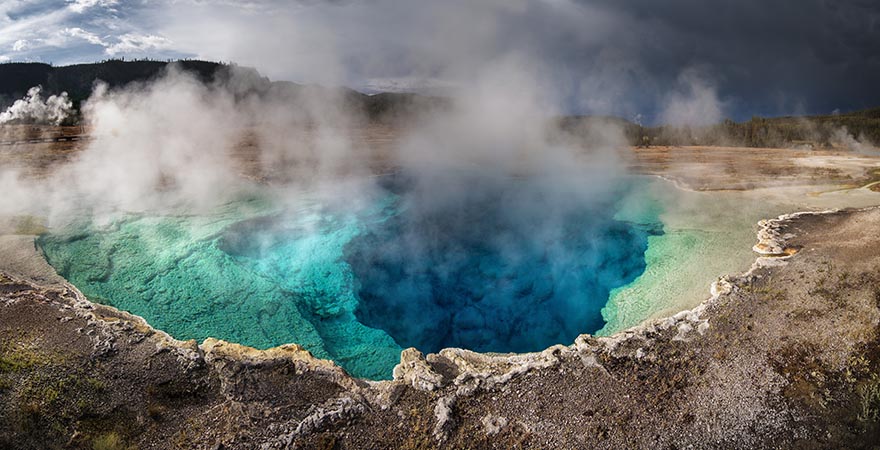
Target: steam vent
[{"x": 529, "y": 224}]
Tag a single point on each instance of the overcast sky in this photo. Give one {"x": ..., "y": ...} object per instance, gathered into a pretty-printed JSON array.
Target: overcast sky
[{"x": 648, "y": 58}]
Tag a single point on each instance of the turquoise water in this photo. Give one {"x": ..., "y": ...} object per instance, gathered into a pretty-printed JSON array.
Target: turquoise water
[
  {"x": 507, "y": 264},
  {"x": 515, "y": 266}
]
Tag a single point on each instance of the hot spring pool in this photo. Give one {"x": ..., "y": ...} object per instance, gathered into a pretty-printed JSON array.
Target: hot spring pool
[{"x": 505, "y": 264}]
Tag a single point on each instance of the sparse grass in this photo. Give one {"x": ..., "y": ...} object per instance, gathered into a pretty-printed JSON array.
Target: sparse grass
[
  {"x": 824, "y": 286},
  {"x": 109, "y": 441},
  {"x": 857, "y": 368},
  {"x": 766, "y": 292},
  {"x": 771, "y": 293},
  {"x": 869, "y": 396},
  {"x": 183, "y": 438},
  {"x": 327, "y": 441},
  {"x": 419, "y": 437},
  {"x": 17, "y": 358},
  {"x": 95, "y": 383},
  {"x": 42, "y": 393},
  {"x": 11, "y": 363},
  {"x": 155, "y": 411},
  {"x": 51, "y": 403},
  {"x": 827, "y": 293},
  {"x": 28, "y": 225}
]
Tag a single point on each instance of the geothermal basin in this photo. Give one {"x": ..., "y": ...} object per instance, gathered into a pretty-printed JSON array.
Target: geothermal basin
[
  {"x": 356, "y": 271},
  {"x": 503, "y": 264}
]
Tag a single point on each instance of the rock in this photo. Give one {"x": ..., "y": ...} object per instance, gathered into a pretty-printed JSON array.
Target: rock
[{"x": 415, "y": 371}]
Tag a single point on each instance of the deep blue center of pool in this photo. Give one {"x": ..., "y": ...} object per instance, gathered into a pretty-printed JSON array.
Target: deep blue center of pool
[
  {"x": 486, "y": 262},
  {"x": 502, "y": 264}
]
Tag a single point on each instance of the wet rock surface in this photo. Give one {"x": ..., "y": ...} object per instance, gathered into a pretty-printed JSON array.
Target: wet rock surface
[{"x": 785, "y": 356}]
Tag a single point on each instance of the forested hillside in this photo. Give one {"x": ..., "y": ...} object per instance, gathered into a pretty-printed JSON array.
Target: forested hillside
[
  {"x": 79, "y": 80},
  {"x": 846, "y": 129},
  {"x": 853, "y": 129}
]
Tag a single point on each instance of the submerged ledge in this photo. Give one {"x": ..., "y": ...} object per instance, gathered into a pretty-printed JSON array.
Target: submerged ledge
[{"x": 784, "y": 354}]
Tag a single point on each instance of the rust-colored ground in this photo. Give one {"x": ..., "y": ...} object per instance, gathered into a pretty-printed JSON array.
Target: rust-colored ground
[{"x": 715, "y": 168}]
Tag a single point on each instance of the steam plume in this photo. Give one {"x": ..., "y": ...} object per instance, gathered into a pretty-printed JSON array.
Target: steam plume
[{"x": 33, "y": 109}]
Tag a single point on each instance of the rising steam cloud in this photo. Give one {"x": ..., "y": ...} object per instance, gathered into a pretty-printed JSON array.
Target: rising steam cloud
[
  {"x": 33, "y": 109},
  {"x": 176, "y": 147},
  {"x": 862, "y": 145},
  {"x": 695, "y": 103},
  {"x": 177, "y": 142}
]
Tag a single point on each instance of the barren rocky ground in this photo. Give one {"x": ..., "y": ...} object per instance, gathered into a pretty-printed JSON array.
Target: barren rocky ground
[
  {"x": 700, "y": 168},
  {"x": 785, "y": 356},
  {"x": 741, "y": 168}
]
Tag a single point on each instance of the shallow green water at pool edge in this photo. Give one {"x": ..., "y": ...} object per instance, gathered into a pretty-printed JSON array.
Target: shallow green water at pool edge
[
  {"x": 172, "y": 271},
  {"x": 264, "y": 273},
  {"x": 269, "y": 275},
  {"x": 707, "y": 234}
]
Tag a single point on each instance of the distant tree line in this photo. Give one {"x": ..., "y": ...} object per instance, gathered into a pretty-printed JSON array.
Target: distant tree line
[
  {"x": 808, "y": 131},
  {"x": 78, "y": 81},
  {"x": 858, "y": 128}
]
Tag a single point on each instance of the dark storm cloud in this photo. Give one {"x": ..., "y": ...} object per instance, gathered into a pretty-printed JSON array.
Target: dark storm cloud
[
  {"x": 770, "y": 57},
  {"x": 679, "y": 59}
]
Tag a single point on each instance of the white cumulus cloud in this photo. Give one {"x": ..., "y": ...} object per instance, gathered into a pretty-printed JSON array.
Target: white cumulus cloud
[
  {"x": 81, "y": 6},
  {"x": 20, "y": 45},
  {"x": 88, "y": 36},
  {"x": 135, "y": 43}
]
